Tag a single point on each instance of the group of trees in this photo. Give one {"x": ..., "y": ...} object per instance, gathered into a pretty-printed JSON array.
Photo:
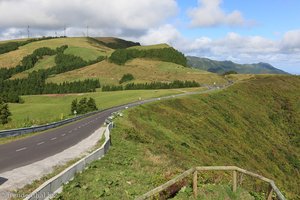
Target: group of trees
[
  {"x": 115, "y": 44},
  {"x": 126, "y": 78},
  {"x": 35, "y": 83},
  {"x": 83, "y": 106},
  {"x": 4, "y": 112},
  {"x": 67, "y": 62},
  {"x": 29, "y": 61},
  {"x": 11, "y": 46},
  {"x": 153, "y": 85},
  {"x": 121, "y": 56}
]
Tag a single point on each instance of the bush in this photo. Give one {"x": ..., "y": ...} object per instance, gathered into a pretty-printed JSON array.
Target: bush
[
  {"x": 126, "y": 78},
  {"x": 83, "y": 106},
  {"x": 229, "y": 72}
]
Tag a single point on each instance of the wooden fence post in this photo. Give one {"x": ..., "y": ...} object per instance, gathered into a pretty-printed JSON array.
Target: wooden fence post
[
  {"x": 234, "y": 181},
  {"x": 270, "y": 193},
  {"x": 195, "y": 183}
]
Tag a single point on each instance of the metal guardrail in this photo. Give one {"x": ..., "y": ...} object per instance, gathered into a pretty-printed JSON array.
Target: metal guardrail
[
  {"x": 33, "y": 129},
  {"x": 49, "y": 188},
  {"x": 153, "y": 194}
]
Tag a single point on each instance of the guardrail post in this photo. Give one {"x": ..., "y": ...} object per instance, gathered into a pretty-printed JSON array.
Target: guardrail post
[
  {"x": 270, "y": 193},
  {"x": 234, "y": 180},
  {"x": 195, "y": 183}
]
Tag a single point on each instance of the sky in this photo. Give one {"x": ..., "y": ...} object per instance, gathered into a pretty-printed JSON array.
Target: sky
[{"x": 244, "y": 31}]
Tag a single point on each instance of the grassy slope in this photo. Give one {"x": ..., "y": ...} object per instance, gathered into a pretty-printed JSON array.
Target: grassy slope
[
  {"x": 143, "y": 70},
  {"x": 254, "y": 124},
  {"x": 13, "y": 58},
  {"x": 85, "y": 53},
  {"x": 40, "y": 109}
]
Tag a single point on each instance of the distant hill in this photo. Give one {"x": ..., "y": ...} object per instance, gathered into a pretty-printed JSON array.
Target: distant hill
[
  {"x": 221, "y": 67},
  {"x": 150, "y": 63}
]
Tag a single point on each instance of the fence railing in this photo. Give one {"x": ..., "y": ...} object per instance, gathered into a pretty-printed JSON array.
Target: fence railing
[
  {"x": 48, "y": 188},
  {"x": 33, "y": 129},
  {"x": 194, "y": 172}
]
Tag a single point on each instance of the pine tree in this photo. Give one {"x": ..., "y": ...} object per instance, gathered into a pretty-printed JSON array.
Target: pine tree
[
  {"x": 4, "y": 112},
  {"x": 91, "y": 104}
]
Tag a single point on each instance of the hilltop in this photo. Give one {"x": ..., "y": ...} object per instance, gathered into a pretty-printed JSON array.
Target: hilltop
[
  {"x": 221, "y": 67},
  {"x": 254, "y": 124}
]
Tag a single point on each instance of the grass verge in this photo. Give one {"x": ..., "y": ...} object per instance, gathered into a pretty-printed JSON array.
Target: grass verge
[{"x": 254, "y": 125}]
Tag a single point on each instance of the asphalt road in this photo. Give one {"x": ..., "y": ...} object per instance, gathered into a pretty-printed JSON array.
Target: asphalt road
[{"x": 29, "y": 150}]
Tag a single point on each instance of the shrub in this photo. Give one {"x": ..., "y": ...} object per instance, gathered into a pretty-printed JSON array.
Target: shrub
[{"x": 126, "y": 78}]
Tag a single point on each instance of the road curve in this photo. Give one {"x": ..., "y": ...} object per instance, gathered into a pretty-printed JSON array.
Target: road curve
[{"x": 29, "y": 150}]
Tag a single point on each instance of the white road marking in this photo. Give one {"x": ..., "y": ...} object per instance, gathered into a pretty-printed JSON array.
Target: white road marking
[
  {"x": 21, "y": 149},
  {"x": 40, "y": 143},
  {"x": 53, "y": 138},
  {"x": 64, "y": 134},
  {"x": 70, "y": 131}
]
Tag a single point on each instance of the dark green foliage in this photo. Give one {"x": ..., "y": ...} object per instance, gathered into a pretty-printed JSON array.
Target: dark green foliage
[
  {"x": 11, "y": 97},
  {"x": 7, "y": 47},
  {"x": 229, "y": 72},
  {"x": 117, "y": 44},
  {"x": 88, "y": 85},
  {"x": 11, "y": 46},
  {"x": 153, "y": 85},
  {"x": 29, "y": 61},
  {"x": 107, "y": 88},
  {"x": 126, "y": 78},
  {"x": 61, "y": 49},
  {"x": 67, "y": 62},
  {"x": 36, "y": 84},
  {"x": 74, "y": 105},
  {"x": 4, "y": 112},
  {"x": 83, "y": 106},
  {"x": 121, "y": 56}
]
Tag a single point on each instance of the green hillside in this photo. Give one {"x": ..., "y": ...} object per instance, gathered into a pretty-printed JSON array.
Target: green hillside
[
  {"x": 144, "y": 70},
  {"x": 254, "y": 124},
  {"x": 221, "y": 67},
  {"x": 147, "y": 63}
]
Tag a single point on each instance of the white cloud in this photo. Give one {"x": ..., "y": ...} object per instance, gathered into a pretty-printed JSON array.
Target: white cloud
[
  {"x": 209, "y": 13},
  {"x": 282, "y": 53},
  {"x": 163, "y": 34},
  {"x": 291, "y": 41},
  {"x": 113, "y": 16}
]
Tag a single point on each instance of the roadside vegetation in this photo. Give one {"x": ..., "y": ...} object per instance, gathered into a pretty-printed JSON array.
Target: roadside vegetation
[
  {"x": 253, "y": 124},
  {"x": 83, "y": 106},
  {"x": 151, "y": 86},
  {"x": 42, "y": 109}
]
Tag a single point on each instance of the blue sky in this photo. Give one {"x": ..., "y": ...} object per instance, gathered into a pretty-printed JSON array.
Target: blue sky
[
  {"x": 272, "y": 17},
  {"x": 244, "y": 31}
]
